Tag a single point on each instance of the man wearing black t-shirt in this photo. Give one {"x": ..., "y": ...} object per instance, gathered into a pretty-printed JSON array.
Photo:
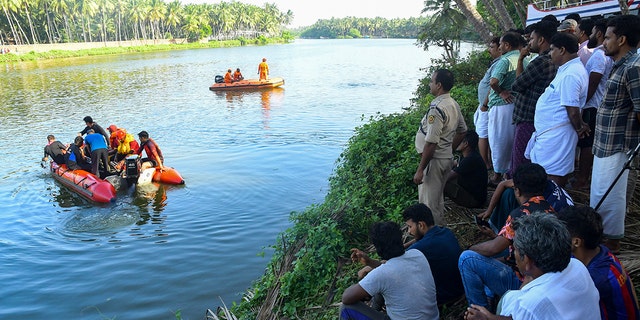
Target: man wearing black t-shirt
[{"x": 467, "y": 182}]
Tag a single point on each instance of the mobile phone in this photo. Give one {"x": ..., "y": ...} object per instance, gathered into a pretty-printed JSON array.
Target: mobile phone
[{"x": 480, "y": 222}]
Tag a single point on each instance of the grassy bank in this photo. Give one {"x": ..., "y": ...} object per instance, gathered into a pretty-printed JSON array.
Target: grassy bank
[
  {"x": 311, "y": 268},
  {"x": 55, "y": 54},
  {"x": 372, "y": 182}
]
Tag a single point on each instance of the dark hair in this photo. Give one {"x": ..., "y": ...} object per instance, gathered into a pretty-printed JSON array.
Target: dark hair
[
  {"x": 601, "y": 25},
  {"x": 78, "y": 141},
  {"x": 445, "y": 77},
  {"x": 586, "y": 25},
  {"x": 530, "y": 179},
  {"x": 387, "y": 238},
  {"x": 565, "y": 40},
  {"x": 573, "y": 16},
  {"x": 51, "y": 137},
  {"x": 495, "y": 40},
  {"x": 88, "y": 119},
  {"x": 418, "y": 212},
  {"x": 529, "y": 28},
  {"x": 471, "y": 137},
  {"x": 545, "y": 29},
  {"x": 544, "y": 239},
  {"x": 512, "y": 38},
  {"x": 551, "y": 18},
  {"x": 143, "y": 134},
  {"x": 626, "y": 25},
  {"x": 584, "y": 223}
]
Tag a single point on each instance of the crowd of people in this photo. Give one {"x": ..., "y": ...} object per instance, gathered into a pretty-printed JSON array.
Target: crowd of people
[
  {"x": 555, "y": 94},
  {"x": 102, "y": 153}
]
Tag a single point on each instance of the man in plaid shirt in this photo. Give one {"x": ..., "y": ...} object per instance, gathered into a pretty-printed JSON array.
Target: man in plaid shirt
[
  {"x": 529, "y": 85},
  {"x": 617, "y": 125}
]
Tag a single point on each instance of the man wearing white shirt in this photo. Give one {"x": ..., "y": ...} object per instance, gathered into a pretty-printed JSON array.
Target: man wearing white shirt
[
  {"x": 598, "y": 67},
  {"x": 557, "y": 118},
  {"x": 556, "y": 286}
]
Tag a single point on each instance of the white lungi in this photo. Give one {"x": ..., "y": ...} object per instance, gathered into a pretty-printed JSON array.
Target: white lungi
[
  {"x": 555, "y": 149},
  {"x": 613, "y": 209},
  {"x": 481, "y": 121},
  {"x": 501, "y": 132}
]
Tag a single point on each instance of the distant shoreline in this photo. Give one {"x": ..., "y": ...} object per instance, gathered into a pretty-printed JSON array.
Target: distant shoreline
[{"x": 18, "y": 53}]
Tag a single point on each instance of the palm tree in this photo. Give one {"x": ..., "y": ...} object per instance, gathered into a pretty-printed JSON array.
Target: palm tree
[
  {"x": 174, "y": 15},
  {"x": 7, "y": 7},
  {"x": 444, "y": 28},
  {"x": 469, "y": 10}
]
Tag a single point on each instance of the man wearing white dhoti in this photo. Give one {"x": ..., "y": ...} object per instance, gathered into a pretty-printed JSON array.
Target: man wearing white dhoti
[
  {"x": 617, "y": 128},
  {"x": 501, "y": 129},
  {"x": 557, "y": 118}
]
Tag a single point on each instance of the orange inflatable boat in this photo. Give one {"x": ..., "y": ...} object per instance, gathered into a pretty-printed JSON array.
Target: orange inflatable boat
[
  {"x": 168, "y": 175},
  {"x": 84, "y": 183},
  {"x": 248, "y": 84}
]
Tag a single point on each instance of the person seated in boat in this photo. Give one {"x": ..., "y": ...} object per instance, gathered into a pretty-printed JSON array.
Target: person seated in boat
[
  {"x": 150, "y": 147},
  {"x": 76, "y": 158},
  {"x": 263, "y": 69},
  {"x": 99, "y": 154},
  {"x": 113, "y": 140},
  {"x": 55, "y": 149},
  {"x": 237, "y": 75},
  {"x": 92, "y": 125},
  {"x": 228, "y": 78},
  {"x": 127, "y": 144}
]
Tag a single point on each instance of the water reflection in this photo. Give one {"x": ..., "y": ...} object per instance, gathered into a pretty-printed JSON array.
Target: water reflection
[{"x": 151, "y": 194}]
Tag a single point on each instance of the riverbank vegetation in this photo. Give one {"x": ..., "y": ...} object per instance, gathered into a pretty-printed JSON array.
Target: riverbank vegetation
[
  {"x": 352, "y": 27},
  {"x": 33, "y": 21},
  {"x": 54, "y": 54},
  {"x": 310, "y": 267}
]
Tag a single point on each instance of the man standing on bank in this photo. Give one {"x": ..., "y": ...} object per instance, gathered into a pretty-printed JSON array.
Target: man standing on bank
[{"x": 440, "y": 131}]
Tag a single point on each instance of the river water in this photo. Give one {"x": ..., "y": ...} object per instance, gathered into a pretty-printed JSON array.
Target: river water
[{"x": 248, "y": 158}]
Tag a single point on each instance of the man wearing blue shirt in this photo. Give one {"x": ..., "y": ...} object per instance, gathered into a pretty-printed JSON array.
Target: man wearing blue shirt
[{"x": 99, "y": 153}]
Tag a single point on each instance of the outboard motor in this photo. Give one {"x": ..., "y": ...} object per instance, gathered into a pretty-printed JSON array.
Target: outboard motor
[
  {"x": 131, "y": 169},
  {"x": 219, "y": 79}
]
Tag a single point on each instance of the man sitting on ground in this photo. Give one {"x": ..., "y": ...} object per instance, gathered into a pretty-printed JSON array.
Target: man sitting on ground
[
  {"x": 404, "y": 281},
  {"x": 478, "y": 266},
  {"x": 467, "y": 182},
  {"x": 438, "y": 244},
  {"x": 617, "y": 294},
  {"x": 555, "y": 287},
  {"x": 503, "y": 201}
]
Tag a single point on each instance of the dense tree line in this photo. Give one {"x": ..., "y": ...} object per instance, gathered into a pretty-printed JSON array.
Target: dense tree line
[
  {"x": 54, "y": 21},
  {"x": 351, "y": 27}
]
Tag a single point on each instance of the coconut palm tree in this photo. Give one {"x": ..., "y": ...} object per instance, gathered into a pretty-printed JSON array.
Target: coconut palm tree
[{"x": 469, "y": 10}]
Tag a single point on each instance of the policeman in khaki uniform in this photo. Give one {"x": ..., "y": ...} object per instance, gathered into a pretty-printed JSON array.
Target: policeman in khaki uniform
[{"x": 440, "y": 132}]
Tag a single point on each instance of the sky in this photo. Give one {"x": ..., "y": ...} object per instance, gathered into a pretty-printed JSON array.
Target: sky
[{"x": 307, "y": 12}]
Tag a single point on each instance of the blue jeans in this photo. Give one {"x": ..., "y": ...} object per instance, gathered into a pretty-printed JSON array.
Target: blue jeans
[{"x": 478, "y": 271}]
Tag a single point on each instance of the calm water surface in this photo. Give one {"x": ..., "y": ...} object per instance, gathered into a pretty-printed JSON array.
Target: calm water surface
[{"x": 248, "y": 159}]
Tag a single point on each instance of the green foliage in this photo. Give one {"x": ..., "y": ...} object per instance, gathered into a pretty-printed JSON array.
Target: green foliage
[
  {"x": 354, "y": 33},
  {"x": 467, "y": 71},
  {"x": 33, "y": 21},
  {"x": 372, "y": 182},
  {"x": 366, "y": 27}
]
